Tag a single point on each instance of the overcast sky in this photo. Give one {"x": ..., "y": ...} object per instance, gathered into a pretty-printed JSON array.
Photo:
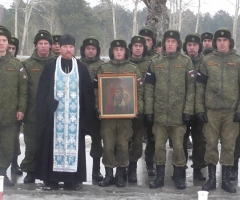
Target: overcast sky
[{"x": 211, "y": 6}]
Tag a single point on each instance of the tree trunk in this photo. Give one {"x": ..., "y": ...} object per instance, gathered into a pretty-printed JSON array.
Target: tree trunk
[
  {"x": 198, "y": 15},
  {"x": 180, "y": 16},
  {"x": 16, "y": 2},
  {"x": 157, "y": 16},
  {"x": 235, "y": 21},
  {"x": 134, "y": 32},
  {"x": 114, "y": 20}
]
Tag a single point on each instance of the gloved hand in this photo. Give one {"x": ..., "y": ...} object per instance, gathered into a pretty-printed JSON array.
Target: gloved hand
[
  {"x": 202, "y": 117},
  {"x": 148, "y": 120},
  {"x": 138, "y": 116},
  {"x": 187, "y": 119},
  {"x": 98, "y": 113},
  {"x": 236, "y": 117}
]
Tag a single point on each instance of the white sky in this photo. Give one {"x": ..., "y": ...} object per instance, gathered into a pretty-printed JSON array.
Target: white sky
[{"x": 211, "y": 6}]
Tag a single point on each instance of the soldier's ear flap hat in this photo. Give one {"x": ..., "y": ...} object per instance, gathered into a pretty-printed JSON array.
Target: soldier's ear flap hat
[
  {"x": 67, "y": 40},
  {"x": 118, "y": 43},
  {"x": 90, "y": 41},
  {"x": 172, "y": 33},
  {"x": 223, "y": 32},
  {"x": 56, "y": 38},
  {"x": 206, "y": 35},
  {"x": 150, "y": 32},
  {"x": 15, "y": 42},
  {"x": 138, "y": 39},
  {"x": 43, "y": 35},
  {"x": 192, "y": 37},
  {"x": 5, "y": 32}
]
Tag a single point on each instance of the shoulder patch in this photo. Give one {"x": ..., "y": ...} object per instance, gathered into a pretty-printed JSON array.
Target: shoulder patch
[
  {"x": 232, "y": 64},
  {"x": 209, "y": 64},
  {"x": 10, "y": 69},
  {"x": 178, "y": 66},
  {"x": 159, "y": 66},
  {"x": 106, "y": 72}
]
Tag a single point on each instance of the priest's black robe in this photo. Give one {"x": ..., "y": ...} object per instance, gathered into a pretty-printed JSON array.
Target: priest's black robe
[{"x": 45, "y": 108}]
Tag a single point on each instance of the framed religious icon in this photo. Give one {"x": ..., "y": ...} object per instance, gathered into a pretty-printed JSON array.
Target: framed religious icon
[{"x": 117, "y": 95}]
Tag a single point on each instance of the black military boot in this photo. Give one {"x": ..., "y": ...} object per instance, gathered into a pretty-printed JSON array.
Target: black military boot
[
  {"x": 29, "y": 178},
  {"x": 119, "y": 177},
  {"x": 233, "y": 174},
  {"x": 211, "y": 182},
  {"x": 150, "y": 169},
  {"x": 96, "y": 174},
  {"x": 132, "y": 172},
  {"x": 178, "y": 177},
  {"x": 7, "y": 181},
  {"x": 226, "y": 183},
  {"x": 109, "y": 179},
  {"x": 15, "y": 169},
  {"x": 159, "y": 180},
  {"x": 197, "y": 174}
]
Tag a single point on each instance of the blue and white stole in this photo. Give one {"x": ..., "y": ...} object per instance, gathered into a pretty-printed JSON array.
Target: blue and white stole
[{"x": 66, "y": 118}]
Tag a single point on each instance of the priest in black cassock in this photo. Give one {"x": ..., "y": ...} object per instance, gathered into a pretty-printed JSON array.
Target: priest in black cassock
[{"x": 65, "y": 106}]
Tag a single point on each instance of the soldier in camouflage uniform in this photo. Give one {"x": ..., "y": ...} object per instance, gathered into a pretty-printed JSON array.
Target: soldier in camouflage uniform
[
  {"x": 150, "y": 36},
  {"x": 206, "y": 39},
  {"x": 138, "y": 51},
  {"x": 34, "y": 66},
  {"x": 159, "y": 46},
  {"x": 169, "y": 104},
  {"x": 13, "y": 47},
  {"x": 193, "y": 48},
  {"x": 90, "y": 51},
  {"x": 116, "y": 132},
  {"x": 13, "y": 102},
  {"x": 55, "y": 45},
  {"x": 217, "y": 106}
]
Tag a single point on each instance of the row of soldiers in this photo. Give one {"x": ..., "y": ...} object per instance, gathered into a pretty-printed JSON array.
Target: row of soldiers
[{"x": 167, "y": 106}]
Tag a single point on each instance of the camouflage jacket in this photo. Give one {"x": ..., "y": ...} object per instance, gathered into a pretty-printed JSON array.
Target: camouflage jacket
[
  {"x": 207, "y": 51},
  {"x": 13, "y": 89},
  {"x": 197, "y": 61},
  {"x": 169, "y": 88},
  {"x": 142, "y": 65},
  {"x": 123, "y": 67},
  {"x": 92, "y": 66},
  {"x": 34, "y": 66},
  {"x": 218, "y": 82},
  {"x": 151, "y": 54}
]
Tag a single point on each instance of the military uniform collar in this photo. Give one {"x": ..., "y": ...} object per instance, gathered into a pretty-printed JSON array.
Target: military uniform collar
[
  {"x": 137, "y": 60},
  {"x": 89, "y": 61},
  {"x": 118, "y": 62},
  {"x": 36, "y": 57},
  {"x": 170, "y": 55}
]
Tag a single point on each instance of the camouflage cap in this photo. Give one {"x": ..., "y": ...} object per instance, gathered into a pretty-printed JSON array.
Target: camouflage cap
[
  {"x": 223, "y": 32},
  {"x": 43, "y": 35},
  {"x": 4, "y": 31},
  {"x": 206, "y": 35},
  {"x": 138, "y": 39},
  {"x": 14, "y": 41},
  {"x": 172, "y": 33},
  {"x": 192, "y": 37},
  {"x": 90, "y": 41},
  {"x": 147, "y": 31},
  {"x": 56, "y": 38}
]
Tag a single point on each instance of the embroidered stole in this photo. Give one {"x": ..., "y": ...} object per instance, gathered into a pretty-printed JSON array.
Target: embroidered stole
[{"x": 66, "y": 118}]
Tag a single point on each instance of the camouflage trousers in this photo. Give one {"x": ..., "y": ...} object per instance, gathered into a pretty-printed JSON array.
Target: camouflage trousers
[
  {"x": 199, "y": 143},
  {"x": 96, "y": 146},
  {"x": 237, "y": 148},
  {"x": 116, "y": 134},
  {"x": 135, "y": 146},
  {"x": 30, "y": 139},
  {"x": 176, "y": 134},
  {"x": 7, "y": 139},
  {"x": 221, "y": 127},
  {"x": 17, "y": 150},
  {"x": 150, "y": 145}
]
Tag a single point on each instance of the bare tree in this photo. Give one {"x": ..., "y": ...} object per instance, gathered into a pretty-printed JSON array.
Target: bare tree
[
  {"x": 198, "y": 16},
  {"x": 157, "y": 15},
  {"x": 134, "y": 31},
  {"x": 16, "y": 7},
  {"x": 235, "y": 20}
]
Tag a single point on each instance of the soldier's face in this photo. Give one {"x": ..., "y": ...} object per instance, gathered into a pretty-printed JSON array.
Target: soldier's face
[
  {"x": 90, "y": 52},
  {"x": 67, "y": 51},
  {"x": 137, "y": 50},
  {"x": 171, "y": 45},
  {"x": 12, "y": 49},
  {"x": 43, "y": 48},
  {"x": 192, "y": 49},
  {"x": 119, "y": 53},
  {"x": 149, "y": 42},
  {"x": 222, "y": 44},
  {"x": 56, "y": 48},
  {"x": 3, "y": 44},
  {"x": 207, "y": 43}
]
